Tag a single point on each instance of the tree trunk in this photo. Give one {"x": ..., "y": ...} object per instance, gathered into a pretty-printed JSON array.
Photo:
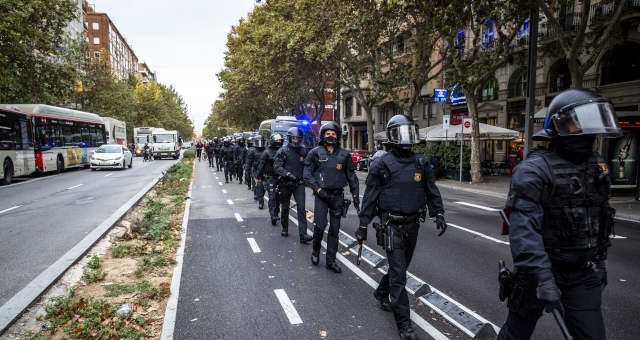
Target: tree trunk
[
  {"x": 577, "y": 75},
  {"x": 476, "y": 164},
  {"x": 370, "y": 131}
]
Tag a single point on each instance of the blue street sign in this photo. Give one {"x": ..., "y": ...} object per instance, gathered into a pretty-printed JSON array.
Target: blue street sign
[{"x": 440, "y": 95}]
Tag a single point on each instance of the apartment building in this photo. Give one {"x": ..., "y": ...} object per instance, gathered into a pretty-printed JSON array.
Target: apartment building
[{"x": 144, "y": 73}]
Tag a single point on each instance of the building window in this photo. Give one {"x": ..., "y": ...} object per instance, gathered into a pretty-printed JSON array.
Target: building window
[
  {"x": 348, "y": 107},
  {"x": 490, "y": 89},
  {"x": 460, "y": 41},
  {"x": 96, "y": 55},
  {"x": 518, "y": 83},
  {"x": 95, "y": 26},
  {"x": 487, "y": 34},
  {"x": 358, "y": 109},
  {"x": 96, "y": 41}
]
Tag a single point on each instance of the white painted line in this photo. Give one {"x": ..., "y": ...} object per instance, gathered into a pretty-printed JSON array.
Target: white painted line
[
  {"x": 610, "y": 236},
  {"x": 253, "y": 244},
  {"x": 169, "y": 322},
  {"x": 224, "y": 191},
  {"x": 288, "y": 307},
  {"x": 107, "y": 175},
  {"x": 75, "y": 186},
  {"x": 478, "y": 206},
  {"x": 216, "y": 176},
  {"x": 238, "y": 217},
  {"x": 220, "y": 183},
  {"x": 229, "y": 202},
  {"x": 479, "y": 234},
  {"x": 9, "y": 209}
]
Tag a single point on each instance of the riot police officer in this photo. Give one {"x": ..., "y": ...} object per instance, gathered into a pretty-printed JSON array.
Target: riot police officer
[
  {"x": 247, "y": 167},
  {"x": 218, "y": 153},
  {"x": 267, "y": 173},
  {"x": 258, "y": 190},
  {"x": 209, "y": 149},
  {"x": 240, "y": 154},
  {"x": 327, "y": 170},
  {"x": 289, "y": 165},
  {"x": 228, "y": 159},
  {"x": 560, "y": 220},
  {"x": 400, "y": 186}
]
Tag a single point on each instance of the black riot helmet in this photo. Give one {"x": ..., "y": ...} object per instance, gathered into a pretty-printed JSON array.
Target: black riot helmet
[
  {"x": 275, "y": 141},
  {"x": 294, "y": 132},
  {"x": 259, "y": 142},
  {"x": 326, "y": 127},
  {"x": 241, "y": 141},
  {"x": 579, "y": 112},
  {"x": 226, "y": 141},
  {"x": 250, "y": 141},
  {"x": 402, "y": 132}
]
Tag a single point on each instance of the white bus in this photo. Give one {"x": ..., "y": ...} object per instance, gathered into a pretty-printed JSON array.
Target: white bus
[
  {"x": 116, "y": 131},
  {"x": 62, "y": 138},
  {"x": 16, "y": 145}
]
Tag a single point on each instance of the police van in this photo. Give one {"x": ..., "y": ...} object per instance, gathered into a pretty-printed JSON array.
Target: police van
[{"x": 282, "y": 124}]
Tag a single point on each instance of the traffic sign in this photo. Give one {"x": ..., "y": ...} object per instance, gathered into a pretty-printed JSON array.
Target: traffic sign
[
  {"x": 445, "y": 122},
  {"x": 440, "y": 95},
  {"x": 466, "y": 125}
]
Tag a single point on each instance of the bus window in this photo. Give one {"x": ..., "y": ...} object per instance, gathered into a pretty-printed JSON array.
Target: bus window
[
  {"x": 9, "y": 129},
  {"x": 43, "y": 137},
  {"x": 76, "y": 137},
  {"x": 27, "y": 141},
  {"x": 86, "y": 138},
  {"x": 100, "y": 135},
  {"x": 56, "y": 135},
  {"x": 67, "y": 132},
  {"x": 94, "y": 136}
]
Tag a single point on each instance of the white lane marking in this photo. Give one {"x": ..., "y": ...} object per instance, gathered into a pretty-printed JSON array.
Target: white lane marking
[
  {"x": 478, "y": 206},
  {"x": 238, "y": 217},
  {"x": 220, "y": 183},
  {"x": 107, "y": 175},
  {"x": 253, "y": 244},
  {"x": 479, "y": 234},
  {"x": 224, "y": 191},
  {"x": 229, "y": 202},
  {"x": 288, "y": 307},
  {"x": 9, "y": 209},
  {"x": 216, "y": 176},
  {"x": 75, "y": 186},
  {"x": 610, "y": 236}
]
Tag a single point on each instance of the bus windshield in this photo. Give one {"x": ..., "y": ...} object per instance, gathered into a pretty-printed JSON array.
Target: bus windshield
[{"x": 163, "y": 138}]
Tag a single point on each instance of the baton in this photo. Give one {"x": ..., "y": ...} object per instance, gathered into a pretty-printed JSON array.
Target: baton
[
  {"x": 561, "y": 324},
  {"x": 359, "y": 254},
  {"x": 505, "y": 218}
]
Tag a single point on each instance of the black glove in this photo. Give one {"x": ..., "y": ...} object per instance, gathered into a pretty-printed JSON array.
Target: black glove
[
  {"x": 549, "y": 293},
  {"x": 361, "y": 234},
  {"x": 291, "y": 177},
  {"x": 322, "y": 195},
  {"x": 441, "y": 224},
  {"x": 601, "y": 268},
  {"x": 356, "y": 203}
]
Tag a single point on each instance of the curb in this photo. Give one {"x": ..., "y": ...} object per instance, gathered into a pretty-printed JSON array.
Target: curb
[{"x": 14, "y": 307}]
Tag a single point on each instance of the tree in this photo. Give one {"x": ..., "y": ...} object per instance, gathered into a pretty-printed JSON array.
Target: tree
[
  {"x": 38, "y": 62},
  {"x": 583, "y": 41},
  {"x": 482, "y": 33}
]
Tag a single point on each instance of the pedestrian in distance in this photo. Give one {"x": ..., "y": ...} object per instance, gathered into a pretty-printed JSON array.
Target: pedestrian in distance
[
  {"x": 199, "y": 149},
  {"x": 327, "y": 170},
  {"x": 227, "y": 159},
  {"x": 217, "y": 150},
  {"x": 268, "y": 175},
  {"x": 289, "y": 165},
  {"x": 248, "y": 163},
  {"x": 560, "y": 221},
  {"x": 400, "y": 187},
  {"x": 258, "y": 191}
]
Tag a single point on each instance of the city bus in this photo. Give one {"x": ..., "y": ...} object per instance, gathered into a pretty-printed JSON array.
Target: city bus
[
  {"x": 282, "y": 124},
  {"x": 16, "y": 145},
  {"x": 62, "y": 138},
  {"x": 116, "y": 131}
]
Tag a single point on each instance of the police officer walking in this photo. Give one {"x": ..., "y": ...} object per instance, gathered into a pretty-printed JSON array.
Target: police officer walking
[
  {"x": 327, "y": 170},
  {"x": 209, "y": 149},
  {"x": 561, "y": 220},
  {"x": 217, "y": 150},
  {"x": 254, "y": 160},
  {"x": 240, "y": 154},
  {"x": 267, "y": 173},
  {"x": 247, "y": 167},
  {"x": 228, "y": 159},
  {"x": 289, "y": 165},
  {"x": 400, "y": 186}
]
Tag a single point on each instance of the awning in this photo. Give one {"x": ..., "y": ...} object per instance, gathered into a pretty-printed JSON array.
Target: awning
[
  {"x": 539, "y": 116},
  {"x": 487, "y": 132},
  {"x": 382, "y": 135}
]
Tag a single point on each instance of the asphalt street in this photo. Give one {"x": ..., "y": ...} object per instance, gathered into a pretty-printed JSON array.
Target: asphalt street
[
  {"x": 43, "y": 217},
  {"x": 229, "y": 290}
]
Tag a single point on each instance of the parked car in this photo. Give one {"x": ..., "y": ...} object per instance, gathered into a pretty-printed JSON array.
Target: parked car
[
  {"x": 363, "y": 162},
  {"x": 358, "y": 154},
  {"x": 111, "y": 156}
]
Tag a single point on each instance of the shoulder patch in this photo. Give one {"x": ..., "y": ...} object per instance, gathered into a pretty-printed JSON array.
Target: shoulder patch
[
  {"x": 603, "y": 167},
  {"x": 417, "y": 177}
]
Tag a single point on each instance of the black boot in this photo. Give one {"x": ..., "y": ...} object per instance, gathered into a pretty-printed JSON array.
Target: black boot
[
  {"x": 383, "y": 300},
  {"x": 332, "y": 266},
  {"x": 406, "y": 332},
  {"x": 284, "y": 232},
  {"x": 305, "y": 239},
  {"x": 274, "y": 221},
  {"x": 261, "y": 205},
  {"x": 315, "y": 258}
]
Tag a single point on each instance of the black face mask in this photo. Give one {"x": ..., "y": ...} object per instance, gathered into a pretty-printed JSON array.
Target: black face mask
[
  {"x": 331, "y": 140},
  {"x": 402, "y": 151},
  {"x": 575, "y": 148}
]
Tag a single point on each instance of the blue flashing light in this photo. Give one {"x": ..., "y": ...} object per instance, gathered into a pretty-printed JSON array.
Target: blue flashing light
[
  {"x": 83, "y": 144},
  {"x": 304, "y": 122}
]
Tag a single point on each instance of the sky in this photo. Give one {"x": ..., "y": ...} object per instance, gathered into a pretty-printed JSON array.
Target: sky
[{"x": 182, "y": 41}]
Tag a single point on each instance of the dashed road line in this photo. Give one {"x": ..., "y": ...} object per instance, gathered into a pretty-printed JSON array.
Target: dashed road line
[
  {"x": 482, "y": 207},
  {"x": 478, "y": 234},
  {"x": 75, "y": 186},
  {"x": 220, "y": 183},
  {"x": 238, "y": 217},
  {"x": 107, "y": 175},
  {"x": 224, "y": 191},
  {"x": 229, "y": 202},
  {"x": 287, "y": 306},
  {"x": 254, "y": 245},
  {"x": 9, "y": 209}
]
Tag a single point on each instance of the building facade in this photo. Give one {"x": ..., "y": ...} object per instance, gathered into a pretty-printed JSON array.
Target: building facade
[{"x": 144, "y": 73}]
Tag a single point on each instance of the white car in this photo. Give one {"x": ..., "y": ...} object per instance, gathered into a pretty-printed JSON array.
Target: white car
[{"x": 111, "y": 156}]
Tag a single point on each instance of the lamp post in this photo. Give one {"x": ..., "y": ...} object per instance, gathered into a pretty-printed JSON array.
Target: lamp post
[{"x": 531, "y": 78}]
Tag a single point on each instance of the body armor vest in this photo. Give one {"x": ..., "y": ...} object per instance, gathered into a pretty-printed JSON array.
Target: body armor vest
[
  {"x": 330, "y": 173},
  {"x": 227, "y": 153},
  {"x": 575, "y": 207},
  {"x": 403, "y": 192},
  {"x": 295, "y": 160},
  {"x": 256, "y": 159},
  {"x": 270, "y": 154}
]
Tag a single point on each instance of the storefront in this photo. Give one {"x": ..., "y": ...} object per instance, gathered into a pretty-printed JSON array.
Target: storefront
[{"x": 623, "y": 153}]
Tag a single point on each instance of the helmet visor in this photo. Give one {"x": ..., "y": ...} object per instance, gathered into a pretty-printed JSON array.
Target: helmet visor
[
  {"x": 587, "y": 119},
  {"x": 403, "y": 134},
  {"x": 259, "y": 142}
]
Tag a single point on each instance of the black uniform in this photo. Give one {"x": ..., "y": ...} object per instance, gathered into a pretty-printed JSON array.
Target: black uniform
[
  {"x": 210, "y": 147},
  {"x": 258, "y": 190},
  {"x": 248, "y": 166},
  {"x": 398, "y": 191},
  {"x": 560, "y": 225},
  {"x": 228, "y": 161},
  {"x": 240, "y": 155},
  {"x": 217, "y": 151},
  {"x": 289, "y": 165},
  {"x": 199, "y": 150},
  {"x": 329, "y": 171},
  {"x": 267, "y": 173}
]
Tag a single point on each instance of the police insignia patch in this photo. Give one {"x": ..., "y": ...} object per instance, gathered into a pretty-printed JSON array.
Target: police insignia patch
[
  {"x": 301, "y": 159},
  {"x": 417, "y": 177},
  {"x": 604, "y": 168},
  {"x": 339, "y": 166}
]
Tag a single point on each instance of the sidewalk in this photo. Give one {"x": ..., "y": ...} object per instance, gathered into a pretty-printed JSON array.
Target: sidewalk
[{"x": 627, "y": 208}]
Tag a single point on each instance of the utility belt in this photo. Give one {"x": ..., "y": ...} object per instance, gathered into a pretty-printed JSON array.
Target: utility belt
[
  {"x": 570, "y": 267},
  {"x": 390, "y": 217},
  {"x": 334, "y": 192},
  {"x": 393, "y": 225}
]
